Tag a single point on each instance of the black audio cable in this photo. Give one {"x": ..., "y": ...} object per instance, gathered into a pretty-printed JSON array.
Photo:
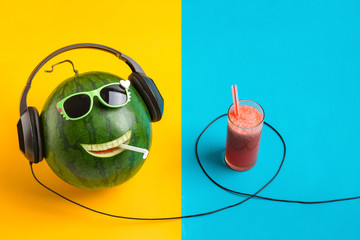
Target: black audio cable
[{"x": 249, "y": 196}]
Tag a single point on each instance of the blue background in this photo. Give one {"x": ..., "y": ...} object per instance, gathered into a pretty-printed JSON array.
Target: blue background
[{"x": 301, "y": 61}]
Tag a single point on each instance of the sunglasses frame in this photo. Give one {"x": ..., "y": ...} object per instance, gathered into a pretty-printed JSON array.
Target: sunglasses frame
[{"x": 94, "y": 93}]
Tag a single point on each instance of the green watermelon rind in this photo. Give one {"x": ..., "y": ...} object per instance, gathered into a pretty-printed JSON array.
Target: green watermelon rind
[{"x": 62, "y": 138}]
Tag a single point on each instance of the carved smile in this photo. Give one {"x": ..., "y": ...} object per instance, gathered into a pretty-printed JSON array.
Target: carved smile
[{"x": 108, "y": 149}]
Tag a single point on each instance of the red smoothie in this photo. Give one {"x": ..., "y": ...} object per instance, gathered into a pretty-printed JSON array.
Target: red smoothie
[{"x": 243, "y": 135}]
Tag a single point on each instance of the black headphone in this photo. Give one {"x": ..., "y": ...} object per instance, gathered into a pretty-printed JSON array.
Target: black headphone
[{"x": 29, "y": 127}]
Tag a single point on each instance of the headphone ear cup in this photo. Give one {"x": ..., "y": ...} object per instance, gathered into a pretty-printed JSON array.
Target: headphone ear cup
[
  {"x": 149, "y": 93},
  {"x": 30, "y": 136}
]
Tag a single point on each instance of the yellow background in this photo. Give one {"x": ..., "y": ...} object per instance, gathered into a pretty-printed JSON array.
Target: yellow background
[{"x": 147, "y": 31}]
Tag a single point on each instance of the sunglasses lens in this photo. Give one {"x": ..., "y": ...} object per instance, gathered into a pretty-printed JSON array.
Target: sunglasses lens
[
  {"x": 77, "y": 106},
  {"x": 114, "y": 95}
]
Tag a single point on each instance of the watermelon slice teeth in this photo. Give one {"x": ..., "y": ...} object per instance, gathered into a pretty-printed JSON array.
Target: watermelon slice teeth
[{"x": 108, "y": 149}]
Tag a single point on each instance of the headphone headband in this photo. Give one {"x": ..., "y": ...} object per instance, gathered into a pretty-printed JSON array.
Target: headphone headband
[{"x": 129, "y": 61}]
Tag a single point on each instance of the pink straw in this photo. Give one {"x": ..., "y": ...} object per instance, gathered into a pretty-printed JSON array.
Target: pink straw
[{"x": 235, "y": 99}]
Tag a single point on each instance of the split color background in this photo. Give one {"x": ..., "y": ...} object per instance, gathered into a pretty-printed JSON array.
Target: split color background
[{"x": 299, "y": 59}]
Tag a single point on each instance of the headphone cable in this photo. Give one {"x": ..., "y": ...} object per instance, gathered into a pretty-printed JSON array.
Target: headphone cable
[{"x": 249, "y": 196}]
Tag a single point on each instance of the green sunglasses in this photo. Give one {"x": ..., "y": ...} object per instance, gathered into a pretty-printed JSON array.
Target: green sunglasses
[{"x": 79, "y": 105}]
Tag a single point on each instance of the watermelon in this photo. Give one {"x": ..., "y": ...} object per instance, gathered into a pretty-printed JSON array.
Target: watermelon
[{"x": 65, "y": 141}]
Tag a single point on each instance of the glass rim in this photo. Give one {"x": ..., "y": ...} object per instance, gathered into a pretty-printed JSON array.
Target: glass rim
[{"x": 263, "y": 114}]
